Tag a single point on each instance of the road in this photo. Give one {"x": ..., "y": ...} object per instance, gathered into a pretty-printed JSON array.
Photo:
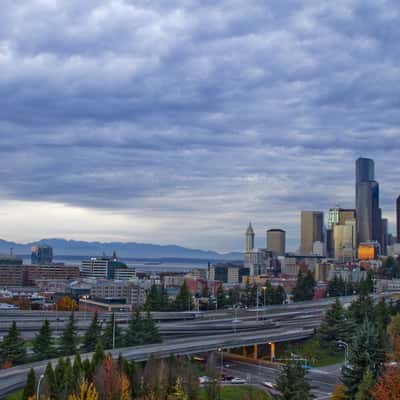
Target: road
[
  {"x": 322, "y": 380},
  {"x": 14, "y": 378}
]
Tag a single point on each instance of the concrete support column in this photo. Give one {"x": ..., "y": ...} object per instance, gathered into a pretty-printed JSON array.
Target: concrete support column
[
  {"x": 255, "y": 352},
  {"x": 272, "y": 351}
]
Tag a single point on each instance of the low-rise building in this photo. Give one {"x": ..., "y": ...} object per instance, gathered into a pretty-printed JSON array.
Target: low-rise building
[{"x": 133, "y": 294}]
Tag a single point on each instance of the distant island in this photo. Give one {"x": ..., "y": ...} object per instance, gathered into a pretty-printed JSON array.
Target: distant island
[{"x": 63, "y": 247}]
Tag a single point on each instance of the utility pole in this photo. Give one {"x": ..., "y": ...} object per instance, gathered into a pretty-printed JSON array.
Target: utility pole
[{"x": 38, "y": 387}]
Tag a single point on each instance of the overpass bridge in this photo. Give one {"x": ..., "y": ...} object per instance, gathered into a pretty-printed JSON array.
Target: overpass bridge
[{"x": 14, "y": 378}]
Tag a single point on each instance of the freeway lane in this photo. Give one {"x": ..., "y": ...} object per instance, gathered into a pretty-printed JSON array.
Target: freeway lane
[
  {"x": 14, "y": 378},
  {"x": 322, "y": 380}
]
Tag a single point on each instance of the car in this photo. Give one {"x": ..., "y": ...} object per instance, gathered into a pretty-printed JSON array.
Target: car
[
  {"x": 269, "y": 385},
  {"x": 238, "y": 381},
  {"x": 203, "y": 379},
  {"x": 236, "y": 321},
  {"x": 227, "y": 365}
]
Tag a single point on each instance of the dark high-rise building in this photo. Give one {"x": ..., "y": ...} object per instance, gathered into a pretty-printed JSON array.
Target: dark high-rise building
[
  {"x": 312, "y": 225},
  {"x": 385, "y": 236},
  {"x": 398, "y": 219},
  {"x": 367, "y": 202}
]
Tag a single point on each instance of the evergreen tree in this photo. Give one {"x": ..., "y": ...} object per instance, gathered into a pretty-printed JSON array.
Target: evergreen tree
[
  {"x": 253, "y": 295},
  {"x": 112, "y": 330},
  {"x": 335, "y": 326},
  {"x": 30, "y": 386},
  {"x": 92, "y": 335},
  {"x": 292, "y": 384},
  {"x": 77, "y": 368},
  {"x": 164, "y": 306},
  {"x": 153, "y": 300},
  {"x": 135, "y": 332},
  {"x": 70, "y": 382},
  {"x": 12, "y": 348},
  {"x": 221, "y": 298},
  {"x": 366, "y": 353},
  {"x": 305, "y": 285},
  {"x": 183, "y": 301},
  {"x": 87, "y": 370},
  {"x": 69, "y": 338},
  {"x": 361, "y": 309},
  {"x": 59, "y": 372},
  {"x": 50, "y": 385},
  {"x": 150, "y": 330},
  {"x": 98, "y": 357},
  {"x": 279, "y": 295},
  {"x": 365, "y": 387},
  {"x": 42, "y": 346}
]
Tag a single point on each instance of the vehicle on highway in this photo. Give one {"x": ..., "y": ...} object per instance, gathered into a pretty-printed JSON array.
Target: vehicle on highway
[
  {"x": 269, "y": 385},
  {"x": 238, "y": 381},
  {"x": 236, "y": 321},
  {"x": 203, "y": 379}
]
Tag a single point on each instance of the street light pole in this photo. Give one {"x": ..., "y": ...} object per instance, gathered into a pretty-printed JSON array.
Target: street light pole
[
  {"x": 38, "y": 387},
  {"x": 346, "y": 351},
  {"x": 257, "y": 300},
  {"x": 113, "y": 317},
  {"x": 222, "y": 359}
]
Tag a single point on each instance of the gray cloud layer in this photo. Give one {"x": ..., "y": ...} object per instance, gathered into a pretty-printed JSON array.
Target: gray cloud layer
[{"x": 225, "y": 111}]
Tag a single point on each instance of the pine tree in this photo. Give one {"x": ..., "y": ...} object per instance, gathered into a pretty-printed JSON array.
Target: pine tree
[
  {"x": 366, "y": 353},
  {"x": 279, "y": 295},
  {"x": 69, "y": 378},
  {"x": 69, "y": 338},
  {"x": 305, "y": 285},
  {"x": 30, "y": 386},
  {"x": 42, "y": 347},
  {"x": 50, "y": 383},
  {"x": 92, "y": 335},
  {"x": 221, "y": 298},
  {"x": 292, "y": 384},
  {"x": 59, "y": 372},
  {"x": 12, "y": 348},
  {"x": 77, "y": 368},
  {"x": 98, "y": 356},
  {"x": 150, "y": 330},
  {"x": 334, "y": 326},
  {"x": 112, "y": 330},
  {"x": 365, "y": 387},
  {"x": 135, "y": 332},
  {"x": 153, "y": 300},
  {"x": 183, "y": 301}
]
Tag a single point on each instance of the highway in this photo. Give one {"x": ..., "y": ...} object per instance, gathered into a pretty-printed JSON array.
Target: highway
[
  {"x": 14, "y": 378},
  {"x": 322, "y": 380}
]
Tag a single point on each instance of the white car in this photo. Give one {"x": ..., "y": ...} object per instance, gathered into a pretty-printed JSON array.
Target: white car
[
  {"x": 238, "y": 381},
  {"x": 203, "y": 379},
  {"x": 269, "y": 385}
]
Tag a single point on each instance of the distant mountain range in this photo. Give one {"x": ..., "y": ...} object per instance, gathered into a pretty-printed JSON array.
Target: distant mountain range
[{"x": 63, "y": 247}]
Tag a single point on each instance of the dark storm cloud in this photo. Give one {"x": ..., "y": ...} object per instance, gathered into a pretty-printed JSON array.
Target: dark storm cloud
[{"x": 245, "y": 109}]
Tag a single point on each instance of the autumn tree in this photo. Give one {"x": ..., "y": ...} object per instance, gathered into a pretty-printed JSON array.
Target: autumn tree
[
  {"x": 388, "y": 385},
  {"x": 339, "y": 393},
  {"x": 67, "y": 303},
  {"x": 87, "y": 391}
]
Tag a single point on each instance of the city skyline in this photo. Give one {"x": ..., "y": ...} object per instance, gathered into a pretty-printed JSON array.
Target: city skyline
[{"x": 178, "y": 124}]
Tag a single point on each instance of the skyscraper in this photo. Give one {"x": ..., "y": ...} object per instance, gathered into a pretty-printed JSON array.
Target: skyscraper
[
  {"x": 276, "y": 241},
  {"x": 398, "y": 219},
  {"x": 249, "y": 238},
  {"x": 367, "y": 202},
  {"x": 312, "y": 223}
]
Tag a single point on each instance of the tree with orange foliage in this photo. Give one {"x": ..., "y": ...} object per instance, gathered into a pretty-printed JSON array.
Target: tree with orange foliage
[
  {"x": 388, "y": 385},
  {"x": 339, "y": 393},
  {"x": 87, "y": 391},
  {"x": 66, "y": 303},
  {"x": 111, "y": 382},
  {"x": 393, "y": 331}
]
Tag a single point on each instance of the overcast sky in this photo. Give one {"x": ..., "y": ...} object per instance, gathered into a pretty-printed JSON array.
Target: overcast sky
[{"x": 179, "y": 121}]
